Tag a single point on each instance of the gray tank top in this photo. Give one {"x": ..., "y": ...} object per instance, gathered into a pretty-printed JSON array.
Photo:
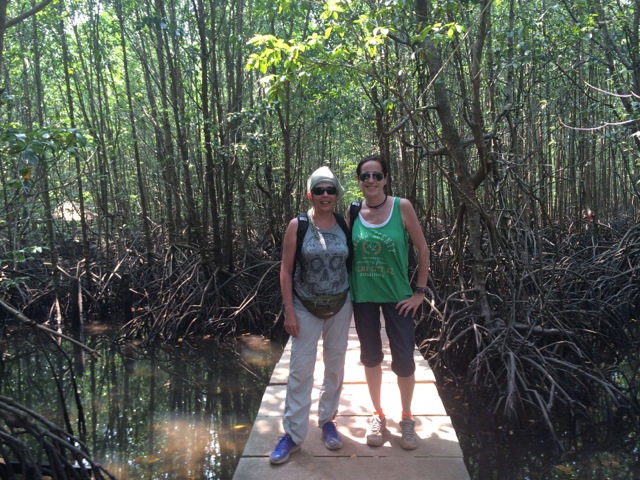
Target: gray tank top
[{"x": 323, "y": 267}]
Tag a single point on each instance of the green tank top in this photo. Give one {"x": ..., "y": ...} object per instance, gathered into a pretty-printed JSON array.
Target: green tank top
[{"x": 380, "y": 270}]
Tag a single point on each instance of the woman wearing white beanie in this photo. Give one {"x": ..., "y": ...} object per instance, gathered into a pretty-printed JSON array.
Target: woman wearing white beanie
[{"x": 315, "y": 295}]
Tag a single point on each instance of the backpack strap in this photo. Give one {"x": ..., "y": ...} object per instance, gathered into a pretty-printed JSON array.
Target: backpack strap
[
  {"x": 343, "y": 225},
  {"x": 354, "y": 210},
  {"x": 303, "y": 226}
]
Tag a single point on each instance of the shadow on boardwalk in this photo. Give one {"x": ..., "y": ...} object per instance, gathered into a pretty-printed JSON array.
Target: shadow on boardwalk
[{"x": 438, "y": 456}]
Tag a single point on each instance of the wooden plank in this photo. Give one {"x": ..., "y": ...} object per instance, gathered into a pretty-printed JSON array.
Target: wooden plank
[{"x": 438, "y": 456}]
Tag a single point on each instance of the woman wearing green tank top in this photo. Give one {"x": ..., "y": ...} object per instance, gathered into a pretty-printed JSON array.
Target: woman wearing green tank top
[{"x": 380, "y": 285}]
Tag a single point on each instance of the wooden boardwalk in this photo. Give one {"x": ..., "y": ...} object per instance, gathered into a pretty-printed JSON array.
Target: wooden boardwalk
[{"x": 438, "y": 456}]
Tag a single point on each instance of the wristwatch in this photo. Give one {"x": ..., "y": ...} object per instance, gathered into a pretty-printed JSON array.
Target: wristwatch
[{"x": 425, "y": 290}]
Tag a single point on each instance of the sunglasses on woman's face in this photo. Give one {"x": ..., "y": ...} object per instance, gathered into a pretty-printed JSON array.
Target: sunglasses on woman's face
[
  {"x": 378, "y": 176},
  {"x": 321, "y": 190}
]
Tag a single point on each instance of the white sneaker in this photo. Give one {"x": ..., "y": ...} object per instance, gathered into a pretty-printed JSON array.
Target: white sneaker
[
  {"x": 409, "y": 439},
  {"x": 376, "y": 430}
]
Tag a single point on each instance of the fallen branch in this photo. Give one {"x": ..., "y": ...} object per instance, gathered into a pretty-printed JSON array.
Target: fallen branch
[{"x": 26, "y": 320}]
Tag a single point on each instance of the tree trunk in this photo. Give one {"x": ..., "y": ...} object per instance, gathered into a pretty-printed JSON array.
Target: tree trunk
[
  {"x": 217, "y": 114},
  {"x": 44, "y": 172},
  {"x": 166, "y": 203},
  {"x": 142, "y": 191},
  {"x": 167, "y": 154},
  {"x": 194, "y": 235},
  {"x": 5, "y": 24},
  {"x": 211, "y": 209},
  {"x": 86, "y": 252},
  {"x": 284, "y": 117},
  {"x": 469, "y": 207}
]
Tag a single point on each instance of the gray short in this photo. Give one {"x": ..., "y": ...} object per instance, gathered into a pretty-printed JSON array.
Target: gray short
[{"x": 400, "y": 330}]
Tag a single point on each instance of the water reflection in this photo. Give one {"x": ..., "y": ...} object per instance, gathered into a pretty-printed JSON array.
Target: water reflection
[
  {"x": 187, "y": 413},
  {"x": 147, "y": 414},
  {"x": 587, "y": 450}
]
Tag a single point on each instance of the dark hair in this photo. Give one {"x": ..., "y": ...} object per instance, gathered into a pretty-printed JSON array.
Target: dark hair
[{"x": 373, "y": 158}]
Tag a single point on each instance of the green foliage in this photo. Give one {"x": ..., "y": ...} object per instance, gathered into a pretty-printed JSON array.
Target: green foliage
[
  {"x": 26, "y": 150},
  {"x": 22, "y": 255},
  {"x": 13, "y": 257},
  {"x": 343, "y": 38}
]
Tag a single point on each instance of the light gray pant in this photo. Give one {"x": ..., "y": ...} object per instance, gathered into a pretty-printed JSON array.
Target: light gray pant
[{"x": 335, "y": 336}]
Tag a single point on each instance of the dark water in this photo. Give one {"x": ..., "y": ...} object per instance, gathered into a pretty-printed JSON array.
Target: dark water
[
  {"x": 587, "y": 450},
  {"x": 181, "y": 413},
  {"x": 186, "y": 413}
]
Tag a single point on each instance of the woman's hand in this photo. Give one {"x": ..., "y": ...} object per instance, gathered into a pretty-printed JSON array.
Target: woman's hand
[
  {"x": 409, "y": 307},
  {"x": 291, "y": 325}
]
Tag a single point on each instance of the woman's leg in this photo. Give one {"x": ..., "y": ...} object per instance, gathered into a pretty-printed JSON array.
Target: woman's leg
[
  {"x": 335, "y": 338},
  {"x": 300, "y": 384}
]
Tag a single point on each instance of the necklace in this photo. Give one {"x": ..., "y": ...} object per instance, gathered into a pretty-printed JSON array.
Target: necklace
[
  {"x": 327, "y": 223},
  {"x": 373, "y": 207}
]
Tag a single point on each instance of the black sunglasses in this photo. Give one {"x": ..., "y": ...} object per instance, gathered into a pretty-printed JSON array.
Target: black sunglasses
[
  {"x": 320, "y": 190},
  {"x": 378, "y": 176}
]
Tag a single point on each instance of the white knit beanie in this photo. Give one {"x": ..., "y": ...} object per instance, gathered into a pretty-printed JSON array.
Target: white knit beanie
[{"x": 324, "y": 175}]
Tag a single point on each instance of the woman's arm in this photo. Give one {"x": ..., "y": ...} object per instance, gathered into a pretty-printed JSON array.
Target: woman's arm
[
  {"x": 291, "y": 325},
  {"x": 414, "y": 229}
]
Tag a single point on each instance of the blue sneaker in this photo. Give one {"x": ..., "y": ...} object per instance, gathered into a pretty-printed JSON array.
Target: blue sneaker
[
  {"x": 332, "y": 439},
  {"x": 285, "y": 447}
]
